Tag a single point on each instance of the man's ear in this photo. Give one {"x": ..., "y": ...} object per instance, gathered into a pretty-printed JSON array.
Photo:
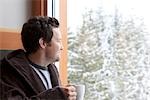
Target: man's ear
[{"x": 42, "y": 43}]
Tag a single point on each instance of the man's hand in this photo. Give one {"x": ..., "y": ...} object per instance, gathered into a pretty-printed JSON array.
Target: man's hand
[{"x": 70, "y": 91}]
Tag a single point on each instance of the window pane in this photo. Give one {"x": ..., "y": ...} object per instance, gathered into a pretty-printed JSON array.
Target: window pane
[
  {"x": 109, "y": 48},
  {"x": 53, "y": 8}
]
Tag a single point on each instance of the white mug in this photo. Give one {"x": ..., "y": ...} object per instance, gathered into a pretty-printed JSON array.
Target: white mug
[{"x": 80, "y": 89}]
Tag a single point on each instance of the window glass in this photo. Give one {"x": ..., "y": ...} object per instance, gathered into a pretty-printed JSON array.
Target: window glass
[
  {"x": 53, "y": 8},
  {"x": 109, "y": 48}
]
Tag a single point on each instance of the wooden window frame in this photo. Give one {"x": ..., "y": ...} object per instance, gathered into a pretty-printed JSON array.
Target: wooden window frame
[
  {"x": 39, "y": 7},
  {"x": 63, "y": 28}
]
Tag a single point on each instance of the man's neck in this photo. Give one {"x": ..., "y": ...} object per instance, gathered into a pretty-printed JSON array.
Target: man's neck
[{"x": 38, "y": 59}]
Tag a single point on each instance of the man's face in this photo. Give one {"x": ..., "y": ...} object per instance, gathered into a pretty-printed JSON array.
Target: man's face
[{"x": 53, "y": 51}]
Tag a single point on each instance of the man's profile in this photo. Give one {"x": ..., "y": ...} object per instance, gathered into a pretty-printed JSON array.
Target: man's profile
[{"x": 30, "y": 74}]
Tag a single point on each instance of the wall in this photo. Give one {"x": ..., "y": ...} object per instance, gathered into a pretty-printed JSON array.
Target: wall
[{"x": 13, "y": 13}]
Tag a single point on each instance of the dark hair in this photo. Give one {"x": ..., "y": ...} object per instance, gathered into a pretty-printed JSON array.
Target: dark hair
[{"x": 35, "y": 28}]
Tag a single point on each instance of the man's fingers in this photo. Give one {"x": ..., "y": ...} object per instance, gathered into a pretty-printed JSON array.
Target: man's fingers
[
  {"x": 70, "y": 90},
  {"x": 72, "y": 93},
  {"x": 71, "y": 98}
]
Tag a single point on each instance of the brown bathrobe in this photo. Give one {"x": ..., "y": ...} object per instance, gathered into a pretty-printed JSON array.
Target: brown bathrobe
[{"x": 19, "y": 81}]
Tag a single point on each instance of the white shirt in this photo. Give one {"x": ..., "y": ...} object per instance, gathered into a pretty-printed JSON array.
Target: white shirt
[{"x": 44, "y": 75}]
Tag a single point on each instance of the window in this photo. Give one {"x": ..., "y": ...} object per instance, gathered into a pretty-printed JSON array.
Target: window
[{"x": 109, "y": 48}]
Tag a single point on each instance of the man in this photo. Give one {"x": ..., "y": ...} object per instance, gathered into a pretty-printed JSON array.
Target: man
[{"x": 30, "y": 74}]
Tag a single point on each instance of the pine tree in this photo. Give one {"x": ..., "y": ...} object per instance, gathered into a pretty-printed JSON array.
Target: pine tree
[{"x": 108, "y": 55}]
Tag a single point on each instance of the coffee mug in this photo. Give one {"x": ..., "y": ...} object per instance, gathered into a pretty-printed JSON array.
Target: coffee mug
[{"x": 80, "y": 89}]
